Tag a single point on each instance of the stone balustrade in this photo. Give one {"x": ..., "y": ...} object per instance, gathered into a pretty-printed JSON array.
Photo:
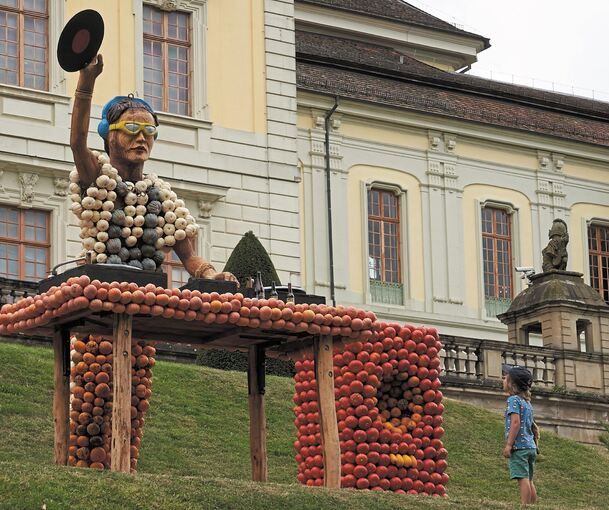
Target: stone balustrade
[{"x": 12, "y": 290}]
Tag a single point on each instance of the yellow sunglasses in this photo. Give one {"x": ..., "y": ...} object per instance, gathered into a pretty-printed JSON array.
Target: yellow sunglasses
[{"x": 132, "y": 127}]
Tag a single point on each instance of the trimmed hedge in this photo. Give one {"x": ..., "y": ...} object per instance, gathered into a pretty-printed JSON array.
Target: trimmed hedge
[
  {"x": 237, "y": 360},
  {"x": 249, "y": 257}
]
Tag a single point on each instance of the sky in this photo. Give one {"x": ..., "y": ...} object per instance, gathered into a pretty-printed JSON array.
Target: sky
[{"x": 559, "y": 45}]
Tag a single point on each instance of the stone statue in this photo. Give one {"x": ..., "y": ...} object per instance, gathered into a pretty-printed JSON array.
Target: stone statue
[
  {"x": 114, "y": 190},
  {"x": 555, "y": 253}
]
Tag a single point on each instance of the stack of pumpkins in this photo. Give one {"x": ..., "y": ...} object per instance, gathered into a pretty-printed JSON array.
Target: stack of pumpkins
[
  {"x": 91, "y": 400},
  {"x": 389, "y": 413}
]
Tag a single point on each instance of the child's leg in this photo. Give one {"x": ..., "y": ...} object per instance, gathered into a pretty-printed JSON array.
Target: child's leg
[
  {"x": 525, "y": 490},
  {"x": 533, "y": 492}
]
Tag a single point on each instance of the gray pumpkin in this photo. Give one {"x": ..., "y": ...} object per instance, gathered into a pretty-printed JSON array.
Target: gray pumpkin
[
  {"x": 159, "y": 257},
  {"x": 118, "y": 217},
  {"x": 154, "y": 195},
  {"x": 148, "y": 264},
  {"x": 154, "y": 206},
  {"x": 121, "y": 188},
  {"x": 151, "y": 220},
  {"x": 114, "y": 231},
  {"x": 147, "y": 250},
  {"x": 135, "y": 253},
  {"x": 150, "y": 236},
  {"x": 123, "y": 253},
  {"x": 114, "y": 259},
  {"x": 113, "y": 246},
  {"x": 135, "y": 263}
]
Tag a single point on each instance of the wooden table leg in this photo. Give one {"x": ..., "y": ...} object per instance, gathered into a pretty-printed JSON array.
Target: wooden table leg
[
  {"x": 255, "y": 383},
  {"x": 121, "y": 405},
  {"x": 324, "y": 373},
  {"x": 61, "y": 395}
]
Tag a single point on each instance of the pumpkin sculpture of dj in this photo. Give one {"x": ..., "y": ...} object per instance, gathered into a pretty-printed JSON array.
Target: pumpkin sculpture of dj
[{"x": 126, "y": 216}]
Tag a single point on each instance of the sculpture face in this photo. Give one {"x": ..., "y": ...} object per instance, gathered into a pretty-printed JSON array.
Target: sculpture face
[{"x": 126, "y": 150}]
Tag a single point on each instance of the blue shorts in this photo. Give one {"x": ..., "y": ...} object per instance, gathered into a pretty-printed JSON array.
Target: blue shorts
[{"x": 522, "y": 463}]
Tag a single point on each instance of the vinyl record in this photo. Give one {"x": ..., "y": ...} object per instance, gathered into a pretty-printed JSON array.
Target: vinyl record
[{"x": 80, "y": 40}]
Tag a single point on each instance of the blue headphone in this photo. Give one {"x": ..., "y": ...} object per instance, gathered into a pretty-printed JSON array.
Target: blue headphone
[{"x": 104, "y": 126}]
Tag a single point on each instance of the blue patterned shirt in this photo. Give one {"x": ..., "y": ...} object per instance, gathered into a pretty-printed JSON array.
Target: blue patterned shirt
[{"x": 525, "y": 438}]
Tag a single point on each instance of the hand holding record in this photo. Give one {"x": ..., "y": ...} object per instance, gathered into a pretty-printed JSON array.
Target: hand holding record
[
  {"x": 93, "y": 69},
  {"x": 80, "y": 40}
]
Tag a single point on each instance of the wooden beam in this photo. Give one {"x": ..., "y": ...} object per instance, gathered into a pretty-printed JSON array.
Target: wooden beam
[
  {"x": 121, "y": 405},
  {"x": 61, "y": 395},
  {"x": 255, "y": 382},
  {"x": 324, "y": 373}
]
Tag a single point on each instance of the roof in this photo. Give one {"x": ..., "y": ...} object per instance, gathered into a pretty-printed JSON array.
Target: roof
[
  {"x": 368, "y": 72},
  {"x": 396, "y": 10},
  {"x": 378, "y": 59}
]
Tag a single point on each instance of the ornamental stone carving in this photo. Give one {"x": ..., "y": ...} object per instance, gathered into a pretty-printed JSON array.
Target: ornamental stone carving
[
  {"x": 205, "y": 207},
  {"x": 28, "y": 181},
  {"x": 61, "y": 186}
]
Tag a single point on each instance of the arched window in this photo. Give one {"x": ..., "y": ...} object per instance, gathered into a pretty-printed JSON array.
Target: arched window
[
  {"x": 497, "y": 258},
  {"x": 384, "y": 246},
  {"x": 598, "y": 253}
]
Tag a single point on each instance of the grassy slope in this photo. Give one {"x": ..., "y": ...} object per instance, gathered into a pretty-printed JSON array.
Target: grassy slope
[{"x": 195, "y": 452}]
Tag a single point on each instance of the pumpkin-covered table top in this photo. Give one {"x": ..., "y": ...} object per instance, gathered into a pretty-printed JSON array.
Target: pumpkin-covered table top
[{"x": 184, "y": 316}]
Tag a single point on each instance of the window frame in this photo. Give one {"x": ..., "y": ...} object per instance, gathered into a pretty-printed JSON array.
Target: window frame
[
  {"x": 382, "y": 220},
  {"x": 165, "y": 41},
  {"x": 401, "y": 194},
  {"x": 516, "y": 283},
  {"x": 197, "y": 9},
  {"x": 21, "y": 13},
  {"x": 22, "y": 243},
  {"x": 598, "y": 224},
  {"x": 495, "y": 238}
]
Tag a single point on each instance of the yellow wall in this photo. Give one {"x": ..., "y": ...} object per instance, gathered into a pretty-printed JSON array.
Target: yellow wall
[
  {"x": 118, "y": 77},
  {"x": 395, "y": 135},
  {"x": 236, "y": 64},
  {"x": 235, "y": 59},
  {"x": 360, "y": 174},
  {"x": 588, "y": 170},
  {"x": 472, "y": 196},
  {"x": 578, "y": 250},
  {"x": 497, "y": 154},
  {"x": 304, "y": 119}
]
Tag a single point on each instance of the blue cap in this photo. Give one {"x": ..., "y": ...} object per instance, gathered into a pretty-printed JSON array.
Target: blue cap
[{"x": 104, "y": 126}]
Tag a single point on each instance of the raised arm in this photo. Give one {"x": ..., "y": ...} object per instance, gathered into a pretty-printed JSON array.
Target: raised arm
[{"x": 85, "y": 162}]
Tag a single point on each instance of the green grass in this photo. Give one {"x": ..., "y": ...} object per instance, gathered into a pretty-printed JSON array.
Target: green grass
[{"x": 195, "y": 452}]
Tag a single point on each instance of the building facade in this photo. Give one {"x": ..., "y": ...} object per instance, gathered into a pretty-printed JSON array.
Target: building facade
[
  {"x": 221, "y": 76},
  {"x": 440, "y": 182}
]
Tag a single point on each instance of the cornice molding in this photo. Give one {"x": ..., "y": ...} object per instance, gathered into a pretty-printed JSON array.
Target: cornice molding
[{"x": 469, "y": 129}]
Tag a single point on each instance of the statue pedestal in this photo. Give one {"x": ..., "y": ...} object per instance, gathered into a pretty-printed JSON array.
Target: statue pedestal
[{"x": 572, "y": 319}]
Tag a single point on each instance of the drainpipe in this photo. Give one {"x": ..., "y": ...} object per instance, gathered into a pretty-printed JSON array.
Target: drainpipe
[{"x": 329, "y": 199}]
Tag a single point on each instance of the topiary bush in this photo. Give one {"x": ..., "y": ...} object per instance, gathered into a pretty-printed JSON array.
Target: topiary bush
[
  {"x": 249, "y": 257},
  {"x": 237, "y": 360}
]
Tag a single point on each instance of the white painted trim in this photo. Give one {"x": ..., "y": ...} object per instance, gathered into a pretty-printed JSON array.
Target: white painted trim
[
  {"x": 198, "y": 65},
  {"x": 41, "y": 96},
  {"x": 57, "y": 76}
]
